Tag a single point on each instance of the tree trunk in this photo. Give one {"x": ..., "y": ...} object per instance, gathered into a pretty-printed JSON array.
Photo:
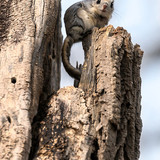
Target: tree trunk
[
  {"x": 100, "y": 120},
  {"x": 30, "y": 47}
]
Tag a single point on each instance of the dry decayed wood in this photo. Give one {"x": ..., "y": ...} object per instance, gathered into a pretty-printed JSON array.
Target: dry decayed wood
[
  {"x": 100, "y": 119},
  {"x": 30, "y": 47}
]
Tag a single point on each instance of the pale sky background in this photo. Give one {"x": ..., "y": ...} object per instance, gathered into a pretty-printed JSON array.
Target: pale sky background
[{"x": 142, "y": 20}]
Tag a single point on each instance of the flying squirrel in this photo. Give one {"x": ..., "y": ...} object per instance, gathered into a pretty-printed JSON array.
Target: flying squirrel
[{"x": 80, "y": 19}]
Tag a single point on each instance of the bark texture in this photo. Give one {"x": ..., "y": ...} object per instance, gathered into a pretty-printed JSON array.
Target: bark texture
[
  {"x": 100, "y": 120},
  {"x": 30, "y": 47}
]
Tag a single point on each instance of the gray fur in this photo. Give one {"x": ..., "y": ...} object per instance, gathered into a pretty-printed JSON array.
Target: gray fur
[{"x": 71, "y": 18}]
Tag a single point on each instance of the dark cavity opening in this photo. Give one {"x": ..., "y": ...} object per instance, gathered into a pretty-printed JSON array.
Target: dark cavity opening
[
  {"x": 13, "y": 80},
  {"x": 94, "y": 154},
  {"x": 9, "y": 119}
]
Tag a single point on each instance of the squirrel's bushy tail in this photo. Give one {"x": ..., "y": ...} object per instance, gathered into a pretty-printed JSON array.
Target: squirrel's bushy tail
[{"x": 72, "y": 71}]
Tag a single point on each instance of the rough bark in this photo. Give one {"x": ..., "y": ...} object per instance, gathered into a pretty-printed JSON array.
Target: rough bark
[
  {"x": 30, "y": 46},
  {"x": 100, "y": 119}
]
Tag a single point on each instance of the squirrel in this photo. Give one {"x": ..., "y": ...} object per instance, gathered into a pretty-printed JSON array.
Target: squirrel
[{"x": 80, "y": 19}]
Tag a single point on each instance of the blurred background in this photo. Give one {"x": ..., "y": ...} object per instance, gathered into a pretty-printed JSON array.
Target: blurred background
[{"x": 142, "y": 20}]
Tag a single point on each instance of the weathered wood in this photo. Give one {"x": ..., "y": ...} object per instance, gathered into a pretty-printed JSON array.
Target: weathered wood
[
  {"x": 30, "y": 47},
  {"x": 100, "y": 119},
  {"x": 113, "y": 74}
]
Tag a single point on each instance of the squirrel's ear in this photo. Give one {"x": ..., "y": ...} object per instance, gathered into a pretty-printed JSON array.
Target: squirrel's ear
[{"x": 112, "y": 4}]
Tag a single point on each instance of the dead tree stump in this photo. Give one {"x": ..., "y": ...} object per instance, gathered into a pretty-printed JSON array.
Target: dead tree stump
[
  {"x": 100, "y": 120},
  {"x": 30, "y": 49}
]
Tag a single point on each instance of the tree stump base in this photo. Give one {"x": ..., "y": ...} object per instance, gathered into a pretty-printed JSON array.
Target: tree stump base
[{"x": 101, "y": 119}]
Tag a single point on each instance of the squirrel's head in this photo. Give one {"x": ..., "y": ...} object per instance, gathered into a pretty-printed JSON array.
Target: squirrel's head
[{"x": 104, "y": 7}]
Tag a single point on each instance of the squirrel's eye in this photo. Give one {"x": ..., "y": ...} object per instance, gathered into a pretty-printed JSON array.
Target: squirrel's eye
[
  {"x": 112, "y": 5},
  {"x": 98, "y": 1}
]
